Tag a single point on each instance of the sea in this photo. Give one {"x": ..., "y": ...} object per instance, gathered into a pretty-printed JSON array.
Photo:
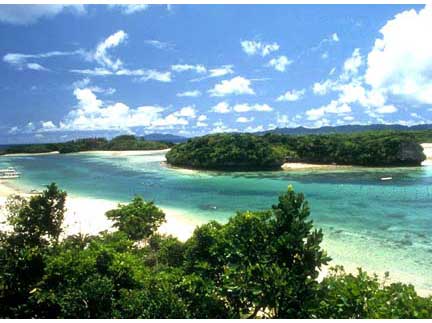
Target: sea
[{"x": 380, "y": 226}]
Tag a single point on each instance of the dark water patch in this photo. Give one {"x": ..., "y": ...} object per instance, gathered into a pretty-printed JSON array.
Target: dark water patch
[{"x": 395, "y": 216}]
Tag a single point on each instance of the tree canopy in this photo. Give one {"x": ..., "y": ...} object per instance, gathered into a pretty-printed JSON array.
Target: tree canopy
[
  {"x": 258, "y": 264},
  {"x": 251, "y": 152},
  {"x": 123, "y": 142}
]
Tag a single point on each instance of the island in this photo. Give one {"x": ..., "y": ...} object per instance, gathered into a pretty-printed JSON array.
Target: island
[
  {"x": 244, "y": 152},
  {"x": 119, "y": 143}
]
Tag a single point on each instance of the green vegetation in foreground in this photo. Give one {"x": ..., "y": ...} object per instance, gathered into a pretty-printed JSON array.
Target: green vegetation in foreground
[
  {"x": 251, "y": 152},
  {"x": 124, "y": 142},
  {"x": 259, "y": 264}
]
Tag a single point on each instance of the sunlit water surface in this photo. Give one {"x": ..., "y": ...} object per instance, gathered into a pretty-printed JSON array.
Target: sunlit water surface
[{"x": 378, "y": 225}]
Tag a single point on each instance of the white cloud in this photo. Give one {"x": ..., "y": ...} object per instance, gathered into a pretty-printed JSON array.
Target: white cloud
[
  {"x": 188, "y": 112},
  {"x": 252, "y": 47},
  {"x": 244, "y": 119},
  {"x": 92, "y": 113},
  {"x": 280, "y": 63},
  {"x": 217, "y": 72},
  {"x": 200, "y": 121},
  {"x": 29, "y": 14},
  {"x": 221, "y": 107},
  {"x": 144, "y": 75},
  {"x": 36, "y": 67},
  {"x": 20, "y": 61},
  {"x": 236, "y": 86},
  {"x": 334, "y": 107},
  {"x": 322, "y": 88},
  {"x": 293, "y": 95},
  {"x": 186, "y": 67},
  {"x": 158, "y": 44},
  {"x": 253, "y": 107},
  {"x": 221, "y": 71},
  {"x": 400, "y": 62},
  {"x": 194, "y": 93},
  {"x": 335, "y": 37},
  {"x": 101, "y": 55},
  {"x": 128, "y": 9},
  {"x": 386, "y": 109},
  {"x": 352, "y": 64}
]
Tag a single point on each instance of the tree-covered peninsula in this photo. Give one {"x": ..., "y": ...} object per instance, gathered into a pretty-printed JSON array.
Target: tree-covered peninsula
[
  {"x": 270, "y": 151},
  {"x": 257, "y": 265},
  {"x": 124, "y": 142}
]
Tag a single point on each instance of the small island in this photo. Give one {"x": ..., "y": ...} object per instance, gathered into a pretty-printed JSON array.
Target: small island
[
  {"x": 246, "y": 152},
  {"x": 119, "y": 143}
]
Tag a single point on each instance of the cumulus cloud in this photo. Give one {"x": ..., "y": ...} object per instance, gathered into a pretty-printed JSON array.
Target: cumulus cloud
[
  {"x": 91, "y": 113},
  {"x": 400, "y": 63},
  {"x": 280, "y": 63},
  {"x": 30, "y": 14},
  {"x": 334, "y": 107},
  {"x": 244, "y": 119},
  {"x": 252, "y": 107},
  {"x": 291, "y": 96},
  {"x": 201, "y": 121},
  {"x": 101, "y": 53},
  {"x": 217, "y": 72},
  {"x": 252, "y": 47},
  {"x": 36, "y": 67},
  {"x": 129, "y": 9},
  {"x": 221, "y": 107},
  {"x": 192, "y": 94},
  {"x": 187, "y": 67},
  {"x": 236, "y": 86}
]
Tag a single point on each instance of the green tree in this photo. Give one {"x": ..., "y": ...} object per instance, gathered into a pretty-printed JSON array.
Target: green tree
[{"x": 138, "y": 219}]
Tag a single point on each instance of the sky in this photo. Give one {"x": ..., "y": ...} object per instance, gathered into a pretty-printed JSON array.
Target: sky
[{"x": 72, "y": 71}]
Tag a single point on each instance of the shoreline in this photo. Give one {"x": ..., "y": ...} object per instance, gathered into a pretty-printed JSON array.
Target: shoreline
[
  {"x": 99, "y": 152},
  {"x": 78, "y": 218},
  {"x": 31, "y": 154}
]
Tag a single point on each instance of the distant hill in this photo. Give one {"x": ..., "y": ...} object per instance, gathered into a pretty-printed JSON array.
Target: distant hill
[
  {"x": 165, "y": 137},
  {"x": 346, "y": 129}
]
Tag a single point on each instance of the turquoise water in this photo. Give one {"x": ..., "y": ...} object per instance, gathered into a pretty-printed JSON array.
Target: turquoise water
[{"x": 378, "y": 225}]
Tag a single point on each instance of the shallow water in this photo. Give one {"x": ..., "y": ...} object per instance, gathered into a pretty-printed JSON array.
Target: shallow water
[{"x": 378, "y": 225}]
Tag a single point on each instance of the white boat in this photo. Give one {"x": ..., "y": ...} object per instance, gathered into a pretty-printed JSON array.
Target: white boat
[
  {"x": 386, "y": 178},
  {"x": 9, "y": 173}
]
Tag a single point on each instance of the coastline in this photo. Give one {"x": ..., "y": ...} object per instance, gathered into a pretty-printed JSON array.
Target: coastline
[
  {"x": 87, "y": 215},
  {"x": 117, "y": 153},
  {"x": 79, "y": 219},
  {"x": 31, "y": 154}
]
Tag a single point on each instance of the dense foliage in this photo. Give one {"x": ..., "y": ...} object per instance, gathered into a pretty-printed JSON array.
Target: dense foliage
[
  {"x": 247, "y": 151},
  {"x": 124, "y": 142},
  {"x": 226, "y": 152},
  {"x": 258, "y": 264}
]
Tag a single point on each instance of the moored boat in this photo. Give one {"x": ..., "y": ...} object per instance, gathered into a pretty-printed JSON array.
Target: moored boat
[{"x": 9, "y": 173}]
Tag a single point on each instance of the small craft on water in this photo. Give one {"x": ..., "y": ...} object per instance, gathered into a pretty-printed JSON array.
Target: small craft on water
[
  {"x": 9, "y": 173},
  {"x": 386, "y": 178}
]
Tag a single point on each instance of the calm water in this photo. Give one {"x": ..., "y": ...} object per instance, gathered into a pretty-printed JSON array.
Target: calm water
[{"x": 378, "y": 225}]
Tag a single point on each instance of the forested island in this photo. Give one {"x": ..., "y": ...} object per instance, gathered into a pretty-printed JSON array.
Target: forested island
[
  {"x": 123, "y": 142},
  {"x": 258, "y": 265},
  {"x": 270, "y": 151}
]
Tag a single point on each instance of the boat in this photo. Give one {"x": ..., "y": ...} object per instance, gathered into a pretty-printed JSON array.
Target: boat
[
  {"x": 386, "y": 178},
  {"x": 9, "y": 173}
]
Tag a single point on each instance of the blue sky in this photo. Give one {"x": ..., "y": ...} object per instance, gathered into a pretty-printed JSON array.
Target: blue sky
[{"x": 82, "y": 70}]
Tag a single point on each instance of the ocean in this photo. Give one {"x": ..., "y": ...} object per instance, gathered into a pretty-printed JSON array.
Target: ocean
[{"x": 377, "y": 225}]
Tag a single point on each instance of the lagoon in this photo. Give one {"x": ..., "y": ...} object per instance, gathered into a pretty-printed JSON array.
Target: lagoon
[{"x": 378, "y": 225}]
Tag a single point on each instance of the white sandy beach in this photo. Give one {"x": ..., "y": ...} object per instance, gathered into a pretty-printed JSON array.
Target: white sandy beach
[
  {"x": 120, "y": 153},
  {"x": 32, "y": 154},
  {"x": 87, "y": 215}
]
